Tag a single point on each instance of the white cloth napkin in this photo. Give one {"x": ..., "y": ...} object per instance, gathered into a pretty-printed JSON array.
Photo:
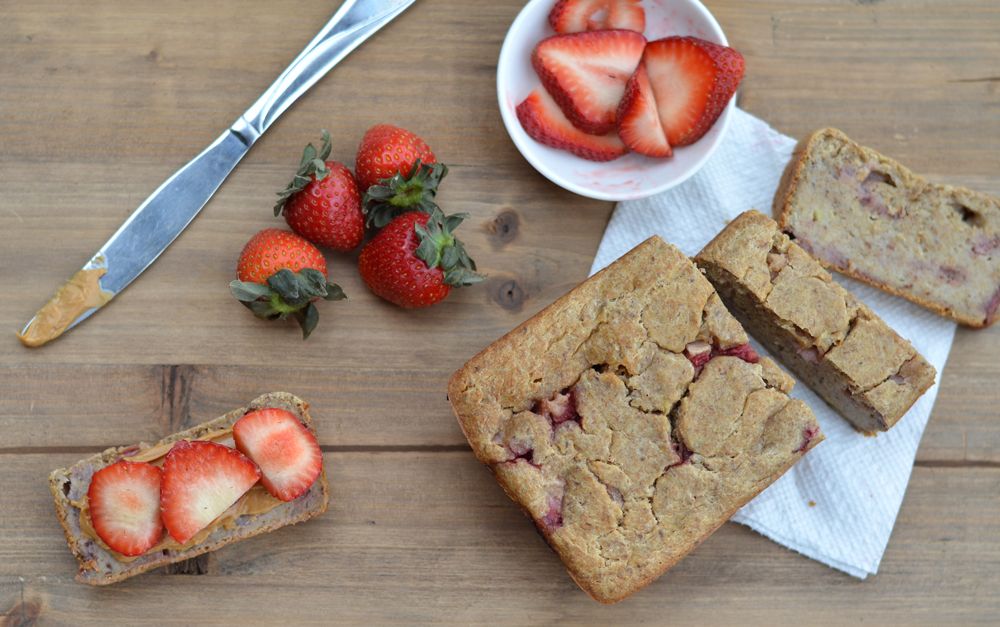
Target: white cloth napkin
[{"x": 839, "y": 503}]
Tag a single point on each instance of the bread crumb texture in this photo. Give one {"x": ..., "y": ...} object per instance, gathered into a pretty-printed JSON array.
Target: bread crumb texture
[
  {"x": 819, "y": 330},
  {"x": 865, "y": 215},
  {"x": 630, "y": 419}
]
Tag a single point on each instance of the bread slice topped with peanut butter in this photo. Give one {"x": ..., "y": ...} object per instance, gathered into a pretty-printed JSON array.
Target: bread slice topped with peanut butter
[{"x": 134, "y": 508}]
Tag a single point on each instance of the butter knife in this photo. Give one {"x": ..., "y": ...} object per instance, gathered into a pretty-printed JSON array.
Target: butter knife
[{"x": 162, "y": 216}]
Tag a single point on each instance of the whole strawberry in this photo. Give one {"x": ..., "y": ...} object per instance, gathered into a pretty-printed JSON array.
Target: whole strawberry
[
  {"x": 397, "y": 173},
  {"x": 415, "y": 260},
  {"x": 280, "y": 274},
  {"x": 323, "y": 203}
]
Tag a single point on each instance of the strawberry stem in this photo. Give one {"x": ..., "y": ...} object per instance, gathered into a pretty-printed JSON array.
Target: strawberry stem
[
  {"x": 400, "y": 194},
  {"x": 439, "y": 248},
  {"x": 311, "y": 164},
  {"x": 288, "y": 294}
]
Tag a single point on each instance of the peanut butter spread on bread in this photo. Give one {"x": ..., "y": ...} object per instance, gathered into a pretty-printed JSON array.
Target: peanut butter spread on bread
[
  {"x": 255, "y": 502},
  {"x": 254, "y": 513},
  {"x": 630, "y": 419}
]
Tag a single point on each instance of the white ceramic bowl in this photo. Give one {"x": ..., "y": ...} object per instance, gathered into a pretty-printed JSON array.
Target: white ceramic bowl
[{"x": 632, "y": 176}]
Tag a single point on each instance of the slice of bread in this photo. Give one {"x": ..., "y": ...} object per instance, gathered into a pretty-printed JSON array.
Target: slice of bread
[
  {"x": 100, "y": 567},
  {"x": 864, "y": 215}
]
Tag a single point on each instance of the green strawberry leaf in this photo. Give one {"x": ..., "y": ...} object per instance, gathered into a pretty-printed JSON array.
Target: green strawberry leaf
[
  {"x": 288, "y": 294},
  {"x": 310, "y": 165},
  {"x": 285, "y": 283},
  {"x": 248, "y": 292},
  {"x": 400, "y": 194},
  {"x": 439, "y": 248},
  {"x": 307, "y": 319},
  {"x": 334, "y": 292}
]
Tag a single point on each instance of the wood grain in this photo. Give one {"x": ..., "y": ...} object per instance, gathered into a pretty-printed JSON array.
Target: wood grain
[
  {"x": 108, "y": 99},
  {"x": 435, "y": 534}
]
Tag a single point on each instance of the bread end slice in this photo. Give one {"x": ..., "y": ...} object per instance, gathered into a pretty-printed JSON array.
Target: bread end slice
[{"x": 99, "y": 567}]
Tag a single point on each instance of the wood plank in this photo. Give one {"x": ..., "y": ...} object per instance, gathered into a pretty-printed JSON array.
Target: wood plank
[
  {"x": 435, "y": 534},
  {"x": 181, "y": 311}
]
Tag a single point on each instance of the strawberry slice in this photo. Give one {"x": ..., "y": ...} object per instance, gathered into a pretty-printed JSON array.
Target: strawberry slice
[
  {"x": 286, "y": 451},
  {"x": 637, "y": 120},
  {"x": 586, "y": 74},
  {"x": 125, "y": 506},
  {"x": 545, "y": 123},
  {"x": 576, "y": 16},
  {"x": 200, "y": 481},
  {"x": 692, "y": 82}
]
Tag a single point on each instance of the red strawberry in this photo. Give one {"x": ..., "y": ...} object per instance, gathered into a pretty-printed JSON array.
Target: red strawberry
[
  {"x": 545, "y": 123},
  {"x": 637, "y": 120},
  {"x": 280, "y": 274},
  {"x": 397, "y": 172},
  {"x": 692, "y": 81},
  {"x": 322, "y": 203},
  {"x": 586, "y": 74},
  {"x": 286, "y": 451},
  {"x": 387, "y": 150},
  {"x": 200, "y": 481},
  {"x": 415, "y": 260},
  {"x": 575, "y": 16},
  {"x": 124, "y": 503}
]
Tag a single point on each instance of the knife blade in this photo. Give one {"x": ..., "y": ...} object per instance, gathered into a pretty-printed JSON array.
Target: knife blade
[{"x": 168, "y": 210}]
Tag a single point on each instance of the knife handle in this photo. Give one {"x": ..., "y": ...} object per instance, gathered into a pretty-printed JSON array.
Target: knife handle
[{"x": 353, "y": 23}]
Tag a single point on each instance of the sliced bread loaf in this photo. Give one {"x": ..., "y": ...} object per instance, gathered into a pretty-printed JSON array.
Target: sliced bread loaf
[{"x": 865, "y": 215}]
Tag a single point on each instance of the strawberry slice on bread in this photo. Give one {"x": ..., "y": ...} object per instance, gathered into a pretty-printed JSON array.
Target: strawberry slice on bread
[
  {"x": 692, "y": 81},
  {"x": 201, "y": 480},
  {"x": 586, "y": 74},
  {"x": 124, "y": 503},
  {"x": 544, "y": 122},
  {"x": 637, "y": 119},
  {"x": 576, "y": 16},
  {"x": 288, "y": 455}
]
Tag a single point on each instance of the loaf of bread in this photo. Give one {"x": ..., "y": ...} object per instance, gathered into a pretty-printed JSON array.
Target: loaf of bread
[
  {"x": 630, "y": 419},
  {"x": 867, "y": 216},
  {"x": 815, "y": 327},
  {"x": 100, "y": 565}
]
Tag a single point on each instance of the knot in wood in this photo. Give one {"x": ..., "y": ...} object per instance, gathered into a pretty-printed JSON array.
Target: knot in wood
[
  {"x": 505, "y": 226},
  {"x": 509, "y": 295}
]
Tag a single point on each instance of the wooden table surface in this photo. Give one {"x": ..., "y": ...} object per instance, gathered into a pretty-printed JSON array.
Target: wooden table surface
[{"x": 101, "y": 101}]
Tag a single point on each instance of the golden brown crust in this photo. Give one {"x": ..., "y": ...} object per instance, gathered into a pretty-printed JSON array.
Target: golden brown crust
[
  {"x": 623, "y": 452},
  {"x": 819, "y": 330},
  {"x": 920, "y": 194},
  {"x": 95, "y": 561}
]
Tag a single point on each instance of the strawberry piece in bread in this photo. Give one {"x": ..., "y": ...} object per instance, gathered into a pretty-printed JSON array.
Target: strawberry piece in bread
[
  {"x": 545, "y": 123},
  {"x": 576, "y": 16},
  {"x": 125, "y": 506},
  {"x": 638, "y": 122},
  {"x": 286, "y": 452},
  {"x": 692, "y": 81},
  {"x": 201, "y": 480},
  {"x": 586, "y": 74}
]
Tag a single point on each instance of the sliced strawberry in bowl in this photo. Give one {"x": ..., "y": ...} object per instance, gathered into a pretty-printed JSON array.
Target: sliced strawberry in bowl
[
  {"x": 286, "y": 451},
  {"x": 576, "y": 16},
  {"x": 543, "y": 121},
  {"x": 124, "y": 503},
  {"x": 201, "y": 480},
  {"x": 638, "y": 121},
  {"x": 586, "y": 74},
  {"x": 692, "y": 81}
]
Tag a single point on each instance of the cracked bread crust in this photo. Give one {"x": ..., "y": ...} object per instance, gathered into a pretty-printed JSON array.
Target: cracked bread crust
[
  {"x": 865, "y": 215},
  {"x": 595, "y": 419},
  {"x": 819, "y": 330},
  {"x": 99, "y": 567}
]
